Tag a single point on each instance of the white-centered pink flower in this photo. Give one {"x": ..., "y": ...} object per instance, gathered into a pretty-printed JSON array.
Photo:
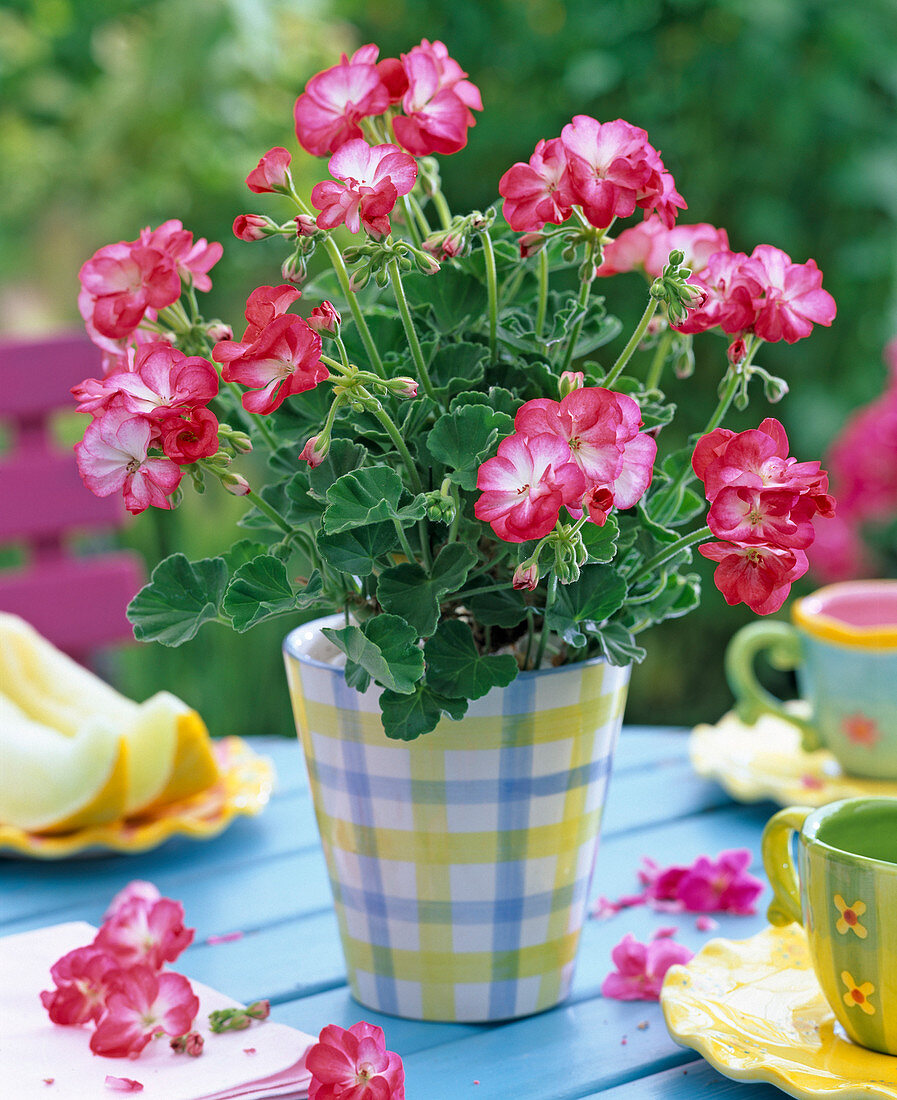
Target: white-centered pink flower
[
  {"x": 372, "y": 179},
  {"x": 776, "y": 517},
  {"x": 328, "y": 112},
  {"x": 538, "y": 192},
  {"x": 81, "y": 986},
  {"x": 647, "y": 246},
  {"x": 121, "y": 281},
  {"x": 759, "y": 576},
  {"x": 272, "y": 173},
  {"x": 192, "y": 259},
  {"x": 730, "y": 292},
  {"x": 526, "y": 484},
  {"x": 601, "y": 429},
  {"x": 437, "y": 104},
  {"x": 143, "y": 1004},
  {"x": 791, "y": 298},
  {"x": 114, "y": 457},
  {"x": 354, "y": 1064},
  {"x": 145, "y": 931}
]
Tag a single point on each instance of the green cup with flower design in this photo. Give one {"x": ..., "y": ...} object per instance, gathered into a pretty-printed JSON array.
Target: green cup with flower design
[{"x": 843, "y": 890}]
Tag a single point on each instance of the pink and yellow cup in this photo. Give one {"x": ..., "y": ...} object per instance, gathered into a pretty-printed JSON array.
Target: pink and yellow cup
[
  {"x": 843, "y": 644},
  {"x": 844, "y": 893}
]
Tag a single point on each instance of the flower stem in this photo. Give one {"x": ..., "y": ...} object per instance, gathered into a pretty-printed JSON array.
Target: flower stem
[
  {"x": 272, "y": 513},
  {"x": 542, "y": 307},
  {"x": 584, "y": 290},
  {"x": 442, "y": 208},
  {"x": 634, "y": 340},
  {"x": 410, "y": 222},
  {"x": 422, "y": 222},
  {"x": 731, "y": 388},
  {"x": 413, "y": 343},
  {"x": 550, "y": 597},
  {"x": 339, "y": 266},
  {"x": 657, "y": 363},
  {"x": 403, "y": 539},
  {"x": 492, "y": 289},
  {"x": 670, "y": 551},
  {"x": 393, "y": 432}
]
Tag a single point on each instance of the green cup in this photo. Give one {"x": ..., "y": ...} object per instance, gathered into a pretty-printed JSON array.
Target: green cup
[
  {"x": 844, "y": 893},
  {"x": 843, "y": 644}
]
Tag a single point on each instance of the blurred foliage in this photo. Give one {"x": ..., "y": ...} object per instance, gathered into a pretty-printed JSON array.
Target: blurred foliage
[{"x": 778, "y": 121}]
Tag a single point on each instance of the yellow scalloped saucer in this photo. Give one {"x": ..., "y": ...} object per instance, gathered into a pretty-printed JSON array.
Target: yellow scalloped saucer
[
  {"x": 754, "y": 1010},
  {"x": 244, "y": 788},
  {"x": 766, "y": 761}
]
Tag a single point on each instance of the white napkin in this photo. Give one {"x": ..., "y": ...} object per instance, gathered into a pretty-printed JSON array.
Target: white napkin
[{"x": 32, "y": 1049}]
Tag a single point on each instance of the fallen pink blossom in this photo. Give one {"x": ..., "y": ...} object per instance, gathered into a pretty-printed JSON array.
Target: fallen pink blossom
[
  {"x": 122, "y": 1084},
  {"x": 641, "y": 968},
  {"x": 224, "y": 937},
  {"x": 706, "y": 924}
]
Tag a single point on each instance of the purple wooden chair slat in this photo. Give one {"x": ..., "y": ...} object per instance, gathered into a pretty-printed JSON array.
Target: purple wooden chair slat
[{"x": 77, "y": 601}]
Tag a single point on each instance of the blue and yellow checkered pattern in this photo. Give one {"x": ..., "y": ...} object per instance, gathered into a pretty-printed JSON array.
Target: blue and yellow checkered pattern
[{"x": 460, "y": 863}]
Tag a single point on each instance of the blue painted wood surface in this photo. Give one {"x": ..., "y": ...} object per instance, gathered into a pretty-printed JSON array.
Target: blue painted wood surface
[{"x": 265, "y": 877}]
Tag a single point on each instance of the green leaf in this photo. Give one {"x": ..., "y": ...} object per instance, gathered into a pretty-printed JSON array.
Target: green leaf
[
  {"x": 358, "y": 550},
  {"x": 463, "y": 439},
  {"x": 617, "y": 645},
  {"x": 580, "y": 608},
  {"x": 386, "y": 648},
  {"x": 303, "y": 508},
  {"x": 455, "y": 367},
  {"x": 369, "y": 496},
  {"x": 344, "y": 457},
  {"x": 261, "y": 590},
  {"x": 408, "y": 591},
  {"x": 180, "y": 597},
  {"x": 242, "y": 551},
  {"x": 456, "y": 668},
  {"x": 496, "y": 397},
  {"x": 505, "y": 608},
  {"x": 451, "y": 299},
  {"x": 406, "y": 717},
  {"x": 601, "y": 542},
  {"x": 275, "y": 496}
]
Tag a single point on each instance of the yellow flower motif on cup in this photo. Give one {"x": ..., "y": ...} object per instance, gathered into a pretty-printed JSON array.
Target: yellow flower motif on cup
[
  {"x": 850, "y": 916},
  {"x": 857, "y": 996}
]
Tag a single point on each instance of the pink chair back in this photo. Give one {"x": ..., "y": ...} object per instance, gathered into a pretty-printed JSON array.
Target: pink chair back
[{"x": 77, "y": 600}]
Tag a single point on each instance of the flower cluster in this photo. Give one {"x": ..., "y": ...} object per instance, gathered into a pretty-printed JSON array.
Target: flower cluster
[
  {"x": 584, "y": 452},
  {"x": 762, "y": 504},
  {"x": 455, "y": 461},
  {"x": 605, "y": 169},
  {"x": 354, "y": 1064},
  {"x": 118, "y": 982},
  {"x": 641, "y": 967}
]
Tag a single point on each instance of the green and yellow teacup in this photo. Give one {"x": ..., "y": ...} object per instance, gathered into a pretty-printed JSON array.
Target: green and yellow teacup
[
  {"x": 844, "y": 646},
  {"x": 844, "y": 893}
]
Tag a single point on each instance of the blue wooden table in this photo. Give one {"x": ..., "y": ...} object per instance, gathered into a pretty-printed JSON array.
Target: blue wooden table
[{"x": 265, "y": 877}]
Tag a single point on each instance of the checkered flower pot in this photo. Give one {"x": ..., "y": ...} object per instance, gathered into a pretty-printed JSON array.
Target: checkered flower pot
[{"x": 459, "y": 862}]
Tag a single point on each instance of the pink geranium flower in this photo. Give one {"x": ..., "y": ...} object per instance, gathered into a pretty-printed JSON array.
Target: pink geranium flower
[
  {"x": 648, "y": 245},
  {"x": 354, "y": 1064},
  {"x": 759, "y": 576},
  {"x": 525, "y": 486},
  {"x": 730, "y": 293},
  {"x": 538, "y": 192},
  {"x": 143, "y": 1004},
  {"x": 272, "y": 173},
  {"x": 776, "y": 517},
  {"x": 601, "y": 428},
  {"x": 114, "y": 457},
  {"x": 189, "y": 437},
  {"x": 81, "y": 986},
  {"x": 437, "y": 104},
  {"x": 137, "y": 889},
  {"x": 284, "y": 359},
  {"x": 121, "y": 281},
  {"x": 149, "y": 933},
  {"x": 373, "y": 177},
  {"x": 707, "y": 885},
  {"x": 264, "y": 304},
  {"x": 641, "y": 967},
  {"x": 192, "y": 260},
  {"x": 328, "y": 112},
  {"x": 791, "y": 298}
]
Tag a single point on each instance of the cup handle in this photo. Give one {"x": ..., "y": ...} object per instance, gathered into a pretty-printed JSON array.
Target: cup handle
[
  {"x": 779, "y": 865},
  {"x": 751, "y": 699}
]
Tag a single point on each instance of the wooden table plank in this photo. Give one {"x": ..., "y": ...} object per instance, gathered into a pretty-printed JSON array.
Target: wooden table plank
[{"x": 692, "y": 1082}]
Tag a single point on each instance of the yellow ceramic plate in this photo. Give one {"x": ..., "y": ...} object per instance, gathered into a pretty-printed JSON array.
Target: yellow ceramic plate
[
  {"x": 244, "y": 788},
  {"x": 766, "y": 761},
  {"x": 754, "y": 1010}
]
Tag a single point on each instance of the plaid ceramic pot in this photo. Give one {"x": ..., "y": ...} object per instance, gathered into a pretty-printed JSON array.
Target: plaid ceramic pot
[{"x": 460, "y": 862}]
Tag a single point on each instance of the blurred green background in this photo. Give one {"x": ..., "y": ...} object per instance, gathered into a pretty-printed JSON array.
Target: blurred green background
[{"x": 778, "y": 121}]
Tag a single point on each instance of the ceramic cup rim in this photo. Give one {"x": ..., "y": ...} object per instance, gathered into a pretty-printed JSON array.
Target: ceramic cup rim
[
  {"x": 809, "y": 832},
  {"x": 807, "y": 614}
]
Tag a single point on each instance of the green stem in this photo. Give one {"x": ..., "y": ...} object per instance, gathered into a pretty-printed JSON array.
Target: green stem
[
  {"x": 542, "y": 308},
  {"x": 442, "y": 208},
  {"x": 403, "y": 539},
  {"x": 422, "y": 222},
  {"x": 393, "y": 432},
  {"x": 339, "y": 266},
  {"x": 503, "y": 587},
  {"x": 670, "y": 551},
  {"x": 530, "y": 636},
  {"x": 492, "y": 289},
  {"x": 456, "y": 519},
  {"x": 652, "y": 380},
  {"x": 341, "y": 347},
  {"x": 264, "y": 431},
  {"x": 731, "y": 387},
  {"x": 634, "y": 340},
  {"x": 272, "y": 513},
  {"x": 413, "y": 343},
  {"x": 549, "y": 603},
  {"x": 584, "y": 290},
  {"x": 410, "y": 222}
]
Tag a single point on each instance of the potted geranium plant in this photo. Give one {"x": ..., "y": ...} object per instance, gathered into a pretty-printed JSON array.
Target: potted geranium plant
[{"x": 466, "y": 477}]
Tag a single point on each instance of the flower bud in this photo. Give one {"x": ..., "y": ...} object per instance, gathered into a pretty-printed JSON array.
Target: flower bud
[
  {"x": 259, "y": 1010},
  {"x": 306, "y": 226},
  {"x": 235, "y": 484},
  {"x": 526, "y": 576},
  {"x": 598, "y": 501},
  {"x": 315, "y": 450},
  {"x": 531, "y": 243},
  {"x": 191, "y": 1043},
  {"x": 440, "y": 508},
  {"x": 427, "y": 265},
  {"x": 569, "y": 381},
  {"x": 736, "y": 351},
  {"x": 294, "y": 269},
  {"x": 403, "y": 387},
  {"x": 272, "y": 172},
  {"x": 774, "y": 388},
  {"x": 252, "y": 227},
  {"x": 677, "y": 257},
  {"x": 325, "y": 319},
  {"x": 358, "y": 280}
]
